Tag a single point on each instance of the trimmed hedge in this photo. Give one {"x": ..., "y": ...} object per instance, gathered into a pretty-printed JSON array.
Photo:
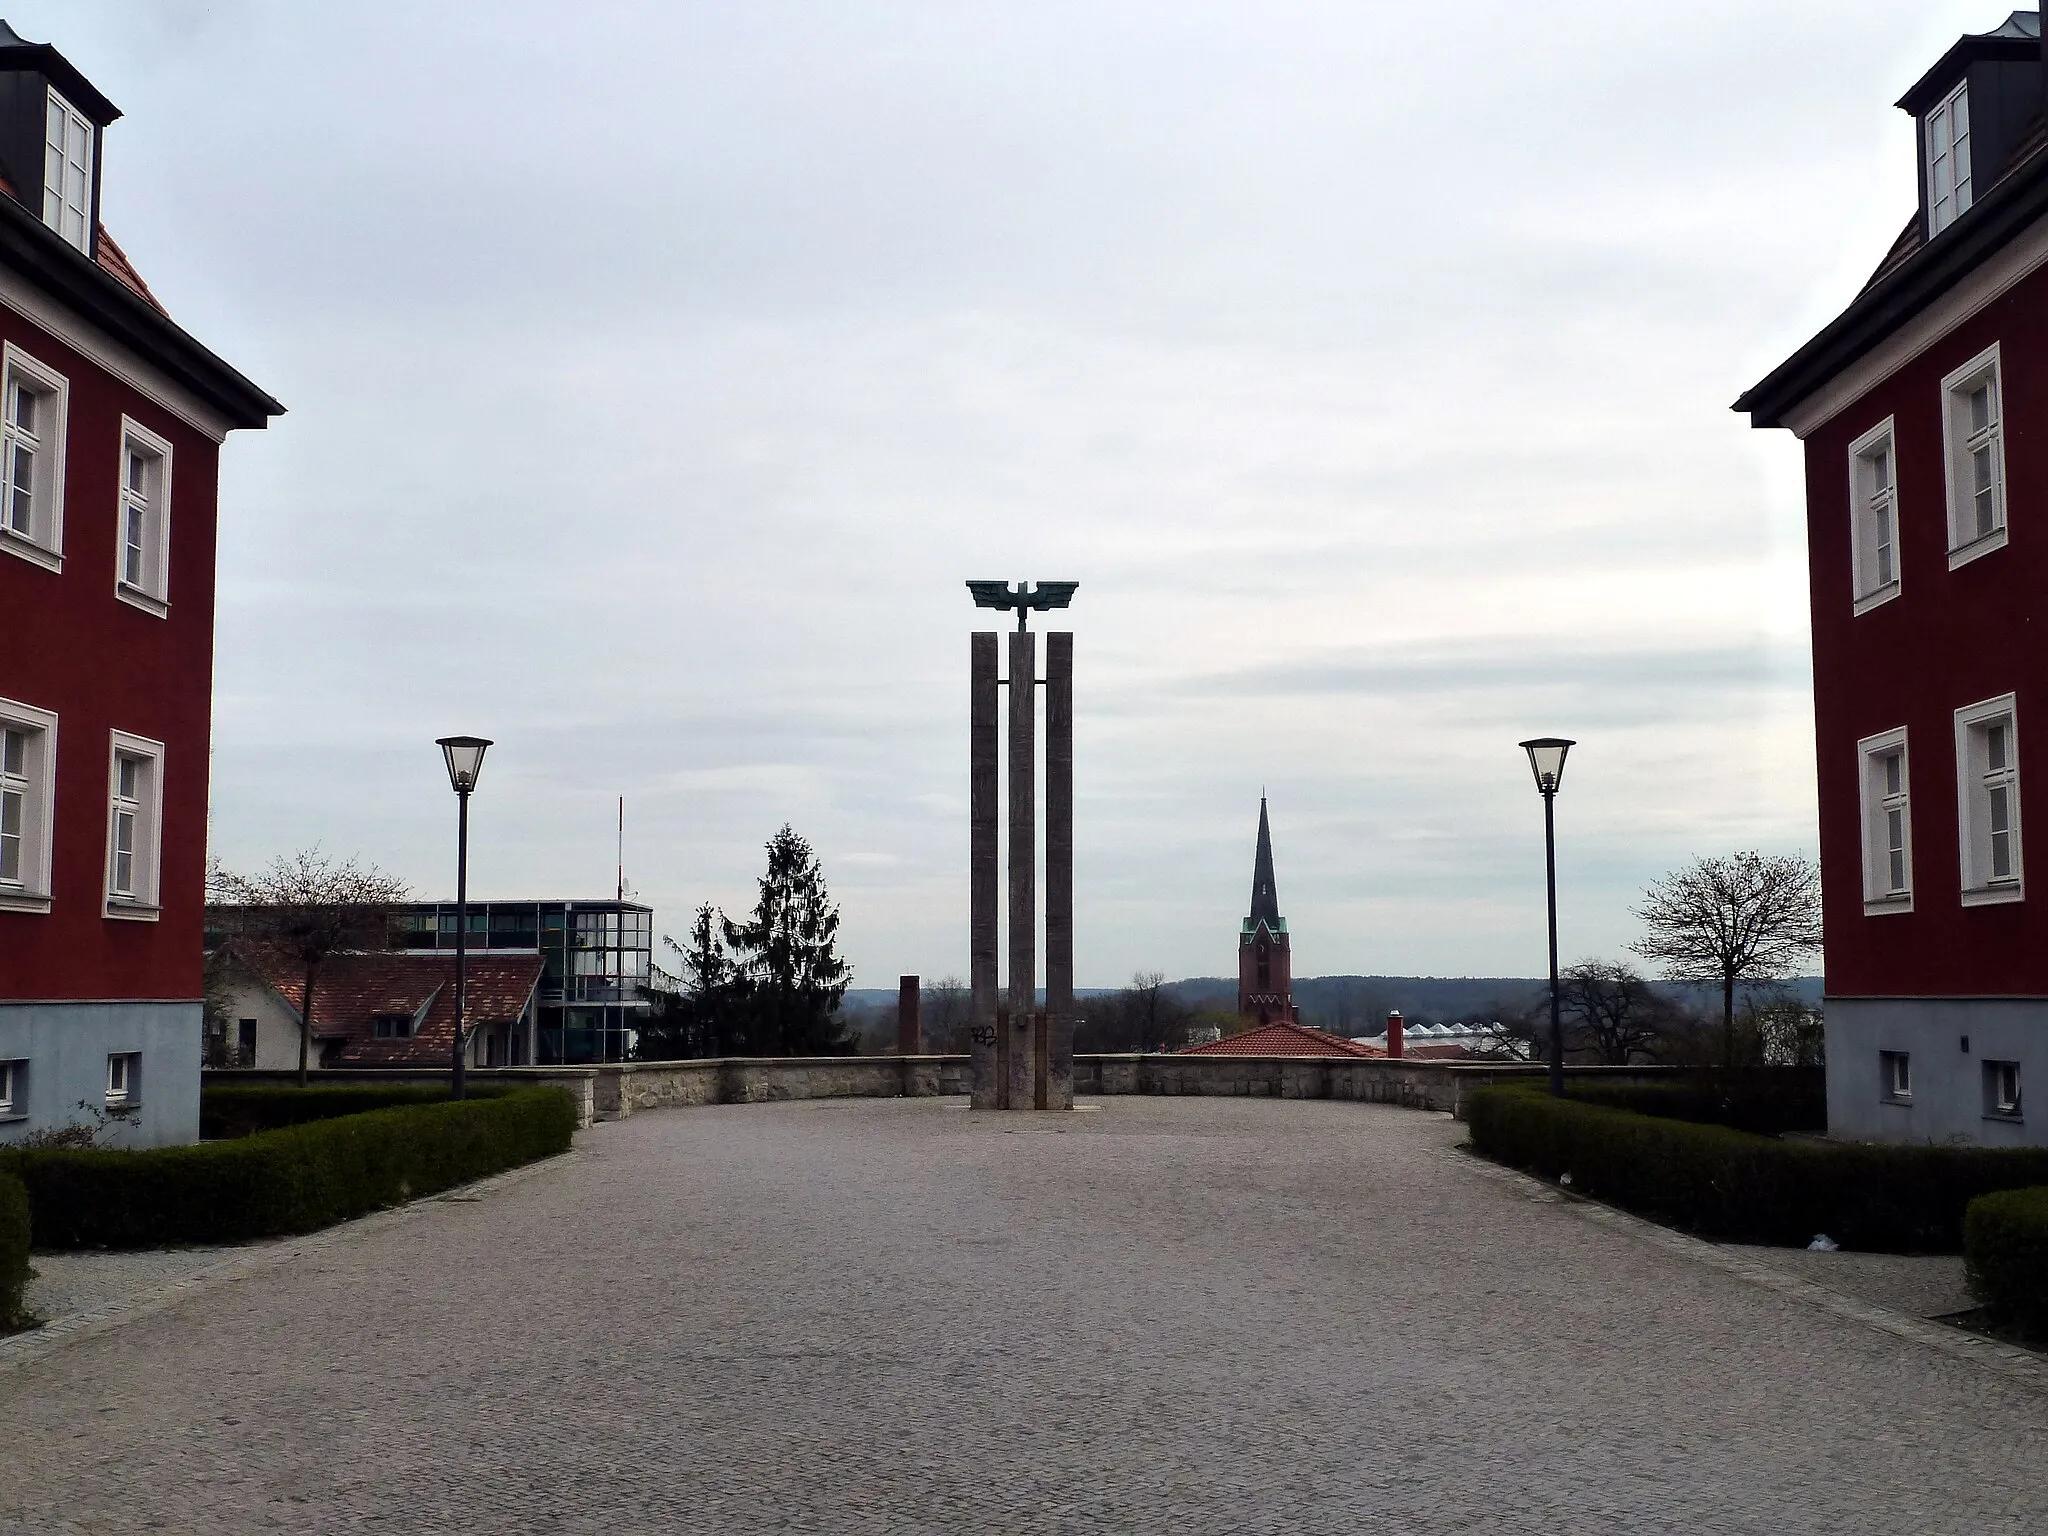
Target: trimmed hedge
[
  {"x": 1768, "y": 1101},
  {"x": 13, "y": 1252},
  {"x": 295, "y": 1179},
  {"x": 237, "y": 1109},
  {"x": 1741, "y": 1187},
  {"x": 2005, "y": 1241}
]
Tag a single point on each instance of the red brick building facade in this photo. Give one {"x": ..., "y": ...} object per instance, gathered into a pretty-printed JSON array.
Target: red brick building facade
[
  {"x": 111, "y": 421},
  {"x": 1927, "y": 524}
]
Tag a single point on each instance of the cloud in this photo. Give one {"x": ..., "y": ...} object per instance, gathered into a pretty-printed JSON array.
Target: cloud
[{"x": 657, "y": 375}]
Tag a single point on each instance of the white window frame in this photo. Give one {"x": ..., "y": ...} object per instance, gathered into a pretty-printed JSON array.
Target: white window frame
[
  {"x": 1997, "y": 1104},
  {"x": 124, "y": 1068},
  {"x": 13, "y": 1089},
  {"x": 38, "y": 786},
  {"x": 1895, "y": 1076},
  {"x": 1950, "y": 150},
  {"x": 152, "y": 593},
  {"x": 1976, "y": 780},
  {"x": 43, "y": 543},
  {"x": 140, "y": 902},
  {"x": 1880, "y": 802},
  {"x": 1959, "y": 446},
  {"x": 59, "y": 113},
  {"x": 1871, "y": 507}
]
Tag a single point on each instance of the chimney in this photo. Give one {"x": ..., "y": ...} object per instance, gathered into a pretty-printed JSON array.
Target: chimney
[{"x": 1394, "y": 1033}]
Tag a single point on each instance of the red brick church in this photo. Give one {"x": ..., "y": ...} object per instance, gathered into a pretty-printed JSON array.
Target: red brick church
[
  {"x": 1265, "y": 974},
  {"x": 1265, "y": 980}
]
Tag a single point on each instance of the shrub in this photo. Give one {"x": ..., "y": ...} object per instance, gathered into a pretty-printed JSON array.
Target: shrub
[
  {"x": 294, "y": 1179},
  {"x": 1737, "y": 1186},
  {"x": 1767, "y": 1101},
  {"x": 2005, "y": 1241},
  {"x": 238, "y": 1109},
  {"x": 13, "y": 1252}
]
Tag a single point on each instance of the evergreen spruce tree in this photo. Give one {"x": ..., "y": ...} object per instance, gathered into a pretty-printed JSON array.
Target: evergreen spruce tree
[
  {"x": 697, "y": 1012},
  {"x": 788, "y": 967}
]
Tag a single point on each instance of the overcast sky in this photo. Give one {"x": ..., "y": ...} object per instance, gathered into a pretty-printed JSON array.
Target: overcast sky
[{"x": 657, "y": 373}]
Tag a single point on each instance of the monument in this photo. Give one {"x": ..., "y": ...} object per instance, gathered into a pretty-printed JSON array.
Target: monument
[{"x": 1022, "y": 1054}]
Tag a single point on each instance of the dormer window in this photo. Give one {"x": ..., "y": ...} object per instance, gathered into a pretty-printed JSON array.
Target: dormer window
[
  {"x": 1949, "y": 189},
  {"x": 67, "y": 173}
]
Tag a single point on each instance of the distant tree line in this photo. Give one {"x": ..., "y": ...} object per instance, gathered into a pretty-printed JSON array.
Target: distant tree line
[{"x": 1733, "y": 929}]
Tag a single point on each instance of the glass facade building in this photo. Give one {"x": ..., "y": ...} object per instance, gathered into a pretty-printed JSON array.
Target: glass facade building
[{"x": 596, "y": 957}]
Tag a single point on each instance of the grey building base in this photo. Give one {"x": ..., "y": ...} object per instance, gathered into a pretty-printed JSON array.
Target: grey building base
[
  {"x": 1947, "y": 1042},
  {"x": 65, "y": 1047}
]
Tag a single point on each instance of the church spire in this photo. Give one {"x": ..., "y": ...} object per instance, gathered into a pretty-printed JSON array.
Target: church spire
[{"x": 1265, "y": 900}]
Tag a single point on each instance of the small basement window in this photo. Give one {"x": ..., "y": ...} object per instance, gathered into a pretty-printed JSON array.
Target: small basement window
[
  {"x": 13, "y": 1089},
  {"x": 1895, "y": 1075},
  {"x": 2002, "y": 1090},
  {"x": 124, "y": 1077}
]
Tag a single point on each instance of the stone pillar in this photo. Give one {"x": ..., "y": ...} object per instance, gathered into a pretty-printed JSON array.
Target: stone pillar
[
  {"x": 909, "y": 1017},
  {"x": 982, "y": 801},
  {"x": 1023, "y": 860},
  {"x": 1059, "y": 870}
]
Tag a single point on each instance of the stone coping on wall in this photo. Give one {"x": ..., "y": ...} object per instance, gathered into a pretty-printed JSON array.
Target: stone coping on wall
[{"x": 617, "y": 1090}]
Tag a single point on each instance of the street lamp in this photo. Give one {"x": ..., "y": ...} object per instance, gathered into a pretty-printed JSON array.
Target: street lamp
[
  {"x": 1546, "y": 761},
  {"x": 465, "y": 757}
]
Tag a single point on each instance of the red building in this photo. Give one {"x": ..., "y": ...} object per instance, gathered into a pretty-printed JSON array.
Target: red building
[
  {"x": 111, "y": 421},
  {"x": 1927, "y": 513},
  {"x": 382, "y": 1008},
  {"x": 1265, "y": 967}
]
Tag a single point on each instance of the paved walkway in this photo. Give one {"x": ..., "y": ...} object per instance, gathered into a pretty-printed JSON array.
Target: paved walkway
[{"x": 1174, "y": 1315}]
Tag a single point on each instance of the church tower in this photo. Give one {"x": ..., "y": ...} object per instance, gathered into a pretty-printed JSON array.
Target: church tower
[{"x": 1265, "y": 974}]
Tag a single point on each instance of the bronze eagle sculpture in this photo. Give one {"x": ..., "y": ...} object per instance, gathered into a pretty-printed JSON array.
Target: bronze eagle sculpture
[{"x": 1024, "y": 597}]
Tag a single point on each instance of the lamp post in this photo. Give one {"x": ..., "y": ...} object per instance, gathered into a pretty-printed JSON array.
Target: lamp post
[
  {"x": 465, "y": 758},
  {"x": 1546, "y": 761}
]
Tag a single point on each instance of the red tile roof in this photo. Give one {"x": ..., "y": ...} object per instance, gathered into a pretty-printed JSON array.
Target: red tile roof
[
  {"x": 351, "y": 990},
  {"x": 115, "y": 262},
  {"x": 1282, "y": 1039}
]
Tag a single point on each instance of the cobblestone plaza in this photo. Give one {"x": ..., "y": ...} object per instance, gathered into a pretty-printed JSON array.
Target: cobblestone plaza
[{"x": 1179, "y": 1315}]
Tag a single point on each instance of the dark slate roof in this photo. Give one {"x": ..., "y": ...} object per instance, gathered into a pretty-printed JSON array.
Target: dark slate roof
[
  {"x": 106, "y": 288},
  {"x": 2017, "y": 37},
  {"x": 1265, "y": 900},
  {"x": 1915, "y": 273},
  {"x": 17, "y": 52}
]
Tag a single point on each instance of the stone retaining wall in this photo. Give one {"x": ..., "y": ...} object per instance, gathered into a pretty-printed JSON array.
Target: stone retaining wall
[{"x": 616, "y": 1091}]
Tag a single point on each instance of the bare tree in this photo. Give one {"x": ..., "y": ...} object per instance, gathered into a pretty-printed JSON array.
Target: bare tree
[
  {"x": 945, "y": 1007},
  {"x": 1519, "y": 1025},
  {"x": 298, "y": 910},
  {"x": 1748, "y": 917},
  {"x": 1615, "y": 1013},
  {"x": 1150, "y": 1010}
]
